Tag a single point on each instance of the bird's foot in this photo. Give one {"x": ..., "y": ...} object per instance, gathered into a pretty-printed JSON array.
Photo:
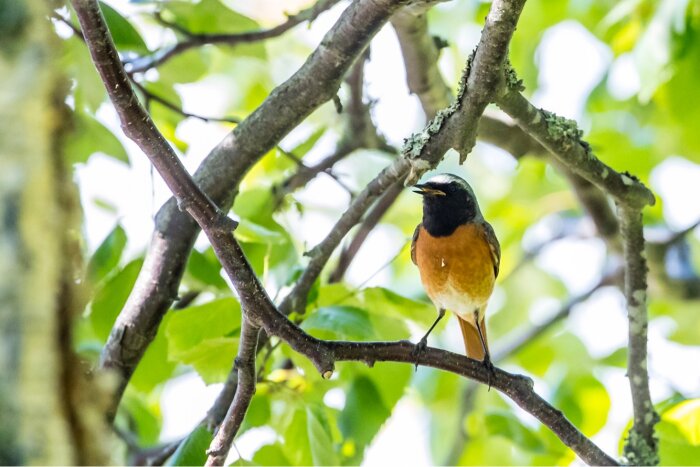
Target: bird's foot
[
  {"x": 419, "y": 349},
  {"x": 491, "y": 370}
]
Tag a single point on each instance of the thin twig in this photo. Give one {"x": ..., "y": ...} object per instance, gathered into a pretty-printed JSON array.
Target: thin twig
[
  {"x": 151, "y": 96},
  {"x": 192, "y": 40},
  {"x": 368, "y": 224}
]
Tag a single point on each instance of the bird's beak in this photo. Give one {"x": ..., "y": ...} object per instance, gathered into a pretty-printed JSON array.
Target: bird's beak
[{"x": 424, "y": 190}]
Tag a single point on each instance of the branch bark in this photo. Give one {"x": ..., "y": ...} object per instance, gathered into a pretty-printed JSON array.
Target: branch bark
[
  {"x": 420, "y": 57},
  {"x": 245, "y": 389},
  {"x": 562, "y": 138},
  {"x": 641, "y": 447}
]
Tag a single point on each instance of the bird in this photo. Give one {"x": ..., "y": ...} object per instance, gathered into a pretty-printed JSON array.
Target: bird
[{"x": 458, "y": 257}]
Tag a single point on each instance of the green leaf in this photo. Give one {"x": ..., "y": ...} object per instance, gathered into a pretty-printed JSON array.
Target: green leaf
[
  {"x": 193, "y": 449},
  {"x": 205, "y": 269},
  {"x": 305, "y": 146},
  {"x": 206, "y": 337},
  {"x": 271, "y": 454},
  {"x": 107, "y": 255},
  {"x": 90, "y": 137},
  {"x": 248, "y": 231},
  {"x": 378, "y": 301},
  {"x": 364, "y": 412},
  {"x": 442, "y": 395},
  {"x": 679, "y": 434},
  {"x": 504, "y": 423},
  {"x": 296, "y": 439},
  {"x": 654, "y": 50},
  {"x": 144, "y": 417},
  {"x": 258, "y": 413},
  {"x": 340, "y": 323},
  {"x": 186, "y": 67},
  {"x": 213, "y": 17},
  {"x": 166, "y": 118},
  {"x": 89, "y": 91},
  {"x": 125, "y": 36},
  {"x": 320, "y": 441},
  {"x": 155, "y": 367},
  {"x": 111, "y": 297},
  {"x": 584, "y": 400},
  {"x": 208, "y": 17},
  {"x": 392, "y": 304},
  {"x": 255, "y": 204},
  {"x": 617, "y": 358},
  {"x": 684, "y": 314}
]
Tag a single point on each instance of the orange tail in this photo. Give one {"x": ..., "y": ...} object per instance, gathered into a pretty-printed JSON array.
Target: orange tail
[{"x": 472, "y": 341}]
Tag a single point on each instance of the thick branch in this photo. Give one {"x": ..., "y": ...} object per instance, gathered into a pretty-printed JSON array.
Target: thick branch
[
  {"x": 518, "y": 388},
  {"x": 197, "y": 40},
  {"x": 420, "y": 56},
  {"x": 641, "y": 445},
  {"x": 245, "y": 389},
  {"x": 314, "y": 83}
]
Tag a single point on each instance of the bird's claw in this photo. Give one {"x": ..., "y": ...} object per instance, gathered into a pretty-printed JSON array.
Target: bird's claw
[
  {"x": 419, "y": 348},
  {"x": 491, "y": 370}
]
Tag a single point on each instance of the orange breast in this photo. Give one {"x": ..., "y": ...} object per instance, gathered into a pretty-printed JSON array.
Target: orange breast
[{"x": 457, "y": 270}]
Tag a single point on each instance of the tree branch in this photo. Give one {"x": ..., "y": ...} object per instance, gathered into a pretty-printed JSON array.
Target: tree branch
[
  {"x": 142, "y": 64},
  {"x": 641, "y": 446},
  {"x": 518, "y": 388},
  {"x": 151, "y": 96},
  {"x": 245, "y": 389},
  {"x": 562, "y": 139},
  {"x": 420, "y": 57},
  {"x": 314, "y": 83},
  {"x": 368, "y": 224},
  {"x": 360, "y": 132}
]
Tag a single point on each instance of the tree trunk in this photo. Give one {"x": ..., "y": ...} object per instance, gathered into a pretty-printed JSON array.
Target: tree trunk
[{"x": 41, "y": 383}]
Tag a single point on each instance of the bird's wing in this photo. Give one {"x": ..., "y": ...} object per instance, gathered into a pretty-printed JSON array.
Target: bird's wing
[
  {"x": 413, "y": 244},
  {"x": 494, "y": 246}
]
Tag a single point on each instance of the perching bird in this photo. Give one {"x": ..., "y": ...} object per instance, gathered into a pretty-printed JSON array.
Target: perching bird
[{"x": 458, "y": 255}]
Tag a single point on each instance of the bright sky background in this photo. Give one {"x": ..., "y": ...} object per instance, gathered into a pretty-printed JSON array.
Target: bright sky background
[{"x": 565, "y": 80}]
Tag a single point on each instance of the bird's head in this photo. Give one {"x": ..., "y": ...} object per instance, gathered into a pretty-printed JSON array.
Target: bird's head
[{"x": 448, "y": 202}]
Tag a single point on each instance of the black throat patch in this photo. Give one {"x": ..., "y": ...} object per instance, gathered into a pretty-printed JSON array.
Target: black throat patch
[{"x": 443, "y": 214}]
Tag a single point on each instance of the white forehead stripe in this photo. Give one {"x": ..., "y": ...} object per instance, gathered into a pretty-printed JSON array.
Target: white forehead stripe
[{"x": 446, "y": 178}]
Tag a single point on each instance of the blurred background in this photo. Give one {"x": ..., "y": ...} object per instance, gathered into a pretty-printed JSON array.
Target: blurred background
[{"x": 625, "y": 71}]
